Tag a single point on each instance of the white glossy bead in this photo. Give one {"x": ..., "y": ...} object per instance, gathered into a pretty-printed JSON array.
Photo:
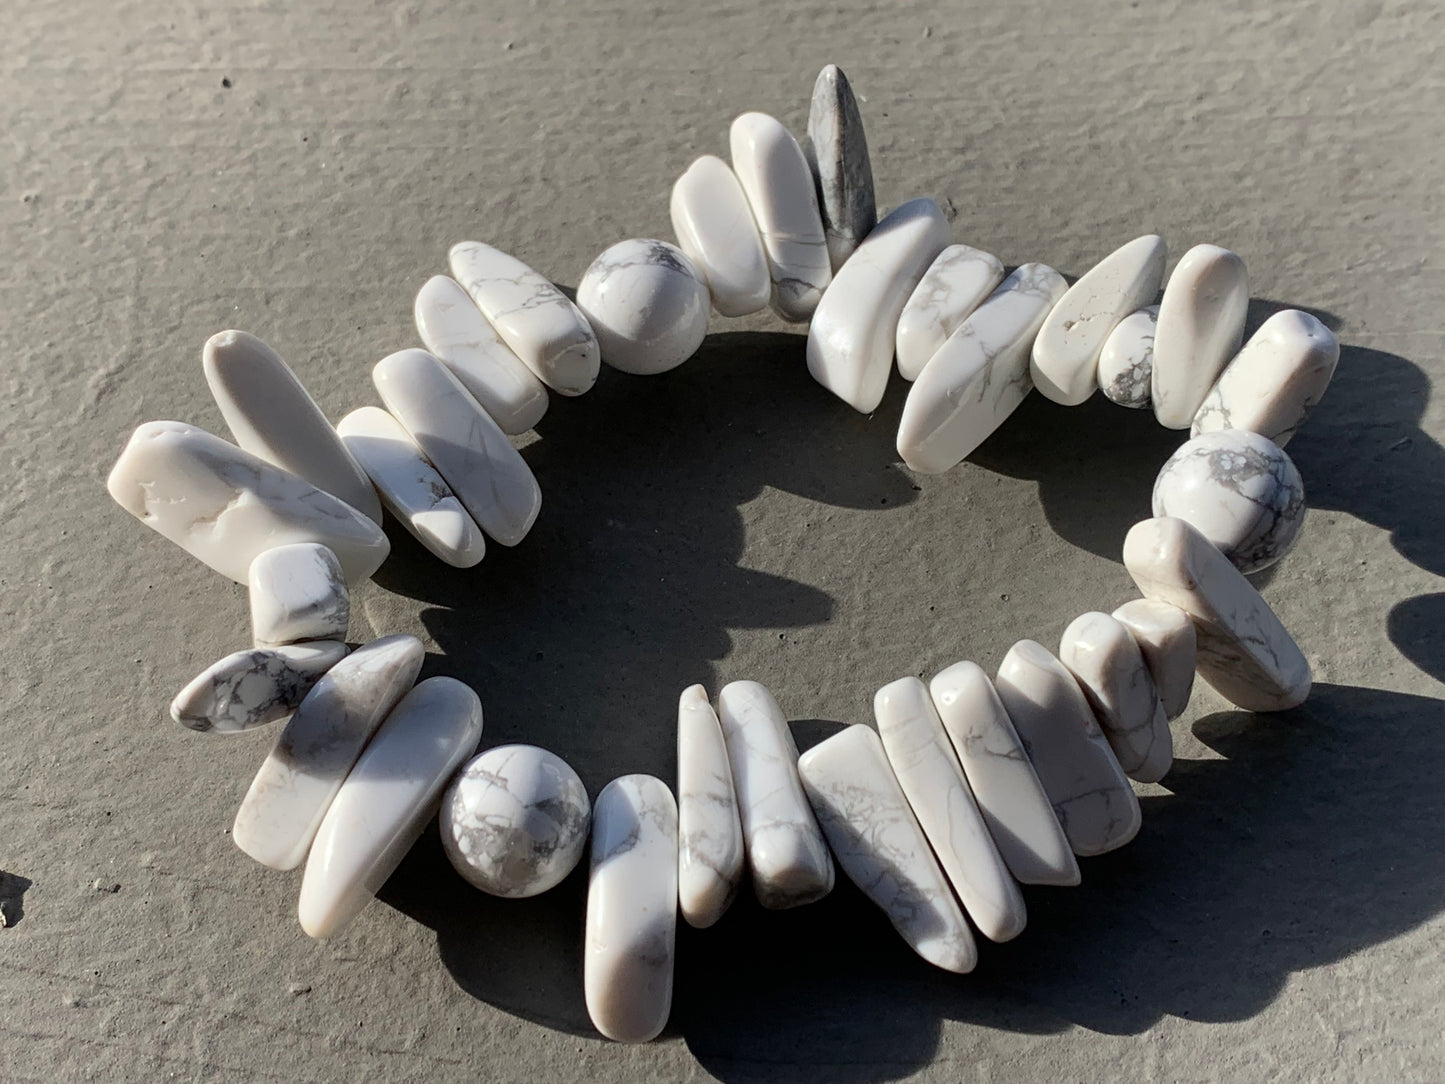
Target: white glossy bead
[
  {"x": 1126, "y": 364},
  {"x": 454, "y": 329},
  {"x": 1201, "y": 323},
  {"x": 647, "y": 303},
  {"x": 1274, "y": 381},
  {"x": 297, "y": 593},
  {"x": 958, "y": 281},
  {"x": 273, "y": 417},
  {"x": 837, "y": 151},
  {"x": 1165, "y": 635},
  {"x": 850, "y": 339},
  {"x": 1240, "y": 490},
  {"x": 387, "y": 800},
  {"x": 514, "y": 821},
  {"x": 224, "y": 506},
  {"x": 254, "y": 687},
  {"x": 715, "y": 227},
  {"x": 413, "y": 492},
  {"x": 1065, "y": 362},
  {"x": 631, "y": 929},
  {"x": 1244, "y": 651},
  {"x": 710, "y": 853},
  {"x": 770, "y": 166}
]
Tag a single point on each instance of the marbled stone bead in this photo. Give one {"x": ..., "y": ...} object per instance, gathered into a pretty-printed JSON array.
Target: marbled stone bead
[
  {"x": 1201, "y": 323},
  {"x": 1165, "y": 636},
  {"x": 715, "y": 227},
  {"x": 1101, "y": 653},
  {"x": 534, "y": 318},
  {"x": 770, "y": 166},
  {"x": 1065, "y": 362},
  {"x": 710, "y": 854},
  {"x": 254, "y": 687},
  {"x": 850, "y": 339},
  {"x": 631, "y": 929},
  {"x": 1244, "y": 651},
  {"x": 387, "y": 800},
  {"x": 224, "y": 506},
  {"x": 514, "y": 821},
  {"x": 979, "y": 376},
  {"x": 881, "y": 847},
  {"x": 785, "y": 849},
  {"x": 1126, "y": 364},
  {"x": 958, "y": 281},
  {"x": 1013, "y": 803},
  {"x": 1090, "y": 793},
  {"x": 297, "y": 593},
  {"x": 301, "y": 775},
  {"x": 648, "y": 304},
  {"x": 455, "y": 331},
  {"x": 1240, "y": 490},
  {"x": 837, "y": 152},
  {"x": 1274, "y": 381},
  {"x": 274, "y": 418},
  {"x": 933, "y": 781},
  {"x": 413, "y": 492},
  {"x": 484, "y": 470}
]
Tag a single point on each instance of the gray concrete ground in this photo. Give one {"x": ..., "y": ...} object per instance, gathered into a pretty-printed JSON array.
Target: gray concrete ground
[{"x": 299, "y": 170}]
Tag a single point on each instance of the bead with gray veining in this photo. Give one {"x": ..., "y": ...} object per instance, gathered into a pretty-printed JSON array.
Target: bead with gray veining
[
  {"x": 1126, "y": 364},
  {"x": 1240, "y": 490},
  {"x": 1201, "y": 323},
  {"x": 881, "y": 847},
  {"x": 514, "y": 821},
  {"x": 1274, "y": 381},
  {"x": 1165, "y": 636},
  {"x": 837, "y": 153},
  {"x": 297, "y": 593},
  {"x": 254, "y": 687},
  {"x": 631, "y": 926},
  {"x": 958, "y": 281},
  {"x": 648, "y": 304},
  {"x": 710, "y": 853}
]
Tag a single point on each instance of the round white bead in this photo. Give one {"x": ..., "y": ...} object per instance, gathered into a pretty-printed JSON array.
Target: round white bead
[
  {"x": 648, "y": 304},
  {"x": 1238, "y": 489},
  {"x": 514, "y": 821}
]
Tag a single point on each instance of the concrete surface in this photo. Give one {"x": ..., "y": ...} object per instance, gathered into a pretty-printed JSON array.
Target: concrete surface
[{"x": 298, "y": 170}]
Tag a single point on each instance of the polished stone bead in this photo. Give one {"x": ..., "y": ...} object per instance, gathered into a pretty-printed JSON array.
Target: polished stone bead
[
  {"x": 1126, "y": 364},
  {"x": 254, "y": 687},
  {"x": 958, "y": 281},
  {"x": 715, "y": 227},
  {"x": 1201, "y": 323},
  {"x": 648, "y": 304},
  {"x": 710, "y": 854},
  {"x": 297, "y": 592},
  {"x": 837, "y": 152}
]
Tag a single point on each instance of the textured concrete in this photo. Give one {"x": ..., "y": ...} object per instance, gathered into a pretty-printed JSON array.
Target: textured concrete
[{"x": 299, "y": 170}]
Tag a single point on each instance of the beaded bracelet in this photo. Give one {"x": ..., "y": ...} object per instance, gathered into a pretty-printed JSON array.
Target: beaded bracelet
[{"x": 967, "y": 788}]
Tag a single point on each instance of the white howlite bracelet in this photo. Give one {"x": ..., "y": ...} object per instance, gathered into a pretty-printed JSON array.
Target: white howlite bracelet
[{"x": 969, "y": 786}]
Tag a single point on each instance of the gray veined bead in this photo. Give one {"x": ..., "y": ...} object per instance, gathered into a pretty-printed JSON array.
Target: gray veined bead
[{"x": 837, "y": 152}]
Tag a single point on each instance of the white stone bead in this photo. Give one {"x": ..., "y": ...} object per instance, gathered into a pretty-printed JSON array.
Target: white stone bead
[
  {"x": 534, "y": 318},
  {"x": 881, "y": 847},
  {"x": 785, "y": 849},
  {"x": 386, "y": 801},
  {"x": 487, "y": 474},
  {"x": 979, "y": 376},
  {"x": 631, "y": 930},
  {"x": 1243, "y": 650},
  {"x": 715, "y": 227},
  {"x": 647, "y": 303},
  {"x": 1089, "y": 791},
  {"x": 1126, "y": 364},
  {"x": 1274, "y": 381},
  {"x": 253, "y": 687},
  {"x": 514, "y": 821},
  {"x": 1009, "y": 795},
  {"x": 1165, "y": 636},
  {"x": 775, "y": 176},
  {"x": 224, "y": 506},
  {"x": 299, "y": 778},
  {"x": 297, "y": 593},
  {"x": 1240, "y": 490},
  {"x": 274, "y": 418},
  {"x": 958, "y": 281},
  {"x": 410, "y": 487},
  {"x": 837, "y": 152},
  {"x": 1201, "y": 323},
  {"x": 1065, "y": 363},
  {"x": 710, "y": 835},
  {"x": 1101, "y": 653},
  {"x": 454, "y": 329},
  {"x": 932, "y": 779},
  {"x": 850, "y": 339}
]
